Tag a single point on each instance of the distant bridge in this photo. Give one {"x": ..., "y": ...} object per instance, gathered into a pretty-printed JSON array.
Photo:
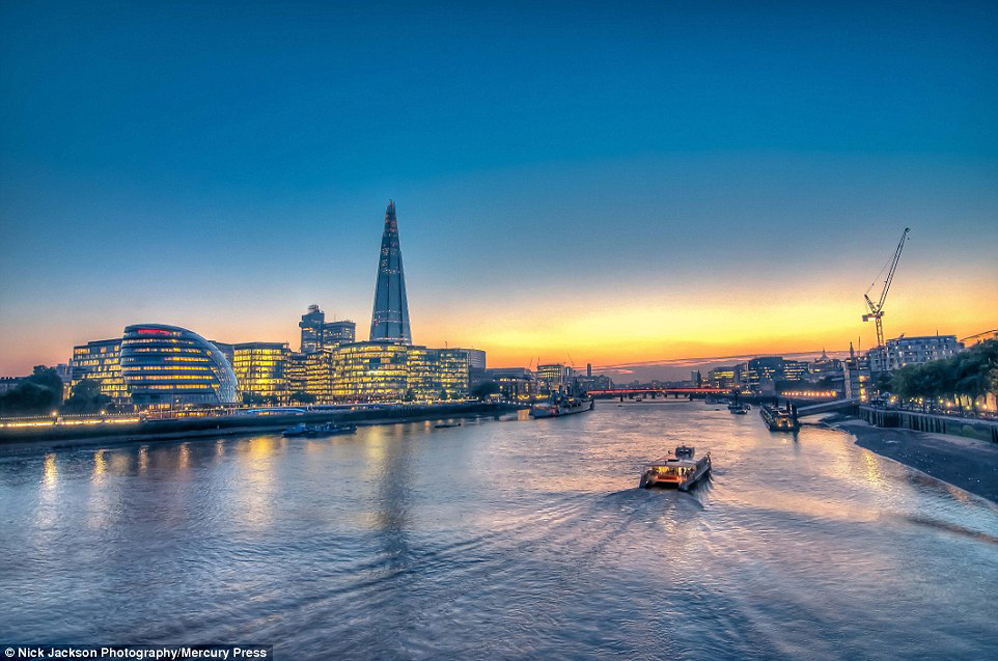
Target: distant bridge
[{"x": 631, "y": 393}]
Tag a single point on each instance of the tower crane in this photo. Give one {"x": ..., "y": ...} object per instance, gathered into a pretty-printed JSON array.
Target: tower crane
[{"x": 877, "y": 309}]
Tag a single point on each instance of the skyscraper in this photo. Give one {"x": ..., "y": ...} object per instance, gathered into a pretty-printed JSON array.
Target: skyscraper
[{"x": 390, "y": 320}]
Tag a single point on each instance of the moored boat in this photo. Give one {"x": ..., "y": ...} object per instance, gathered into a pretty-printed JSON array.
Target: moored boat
[
  {"x": 324, "y": 429},
  {"x": 778, "y": 419},
  {"x": 680, "y": 470},
  {"x": 562, "y": 406}
]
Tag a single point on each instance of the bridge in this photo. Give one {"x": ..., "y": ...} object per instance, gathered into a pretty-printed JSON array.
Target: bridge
[{"x": 631, "y": 393}]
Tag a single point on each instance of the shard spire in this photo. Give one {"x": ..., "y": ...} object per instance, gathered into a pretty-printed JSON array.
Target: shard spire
[{"x": 390, "y": 320}]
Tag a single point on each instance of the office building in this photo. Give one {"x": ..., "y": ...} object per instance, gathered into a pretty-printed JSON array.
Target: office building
[
  {"x": 317, "y": 333},
  {"x": 259, "y": 366},
  {"x": 552, "y": 377},
  {"x": 295, "y": 374},
  {"x": 335, "y": 333},
  {"x": 100, "y": 361},
  {"x": 727, "y": 376},
  {"x": 371, "y": 372},
  {"x": 311, "y": 329},
  {"x": 390, "y": 319},
  {"x": 166, "y": 366}
]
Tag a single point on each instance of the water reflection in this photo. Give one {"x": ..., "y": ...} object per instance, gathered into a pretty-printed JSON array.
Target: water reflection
[{"x": 507, "y": 539}]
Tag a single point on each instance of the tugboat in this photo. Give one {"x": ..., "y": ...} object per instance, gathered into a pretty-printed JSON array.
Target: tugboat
[
  {"x": 324, "y": 429},
  {"x": 562, "y": 406},
  {"x": 680, "y": 470},
  {"x": 778, "y": 419}
]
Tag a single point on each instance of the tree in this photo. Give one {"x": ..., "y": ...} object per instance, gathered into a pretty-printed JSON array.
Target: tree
[
  {"x": 87, "y": 397},
  {"x": 38, "y": 393},
  {"x": 485, "y": 389},
  {"x": 302, "y": 397}
]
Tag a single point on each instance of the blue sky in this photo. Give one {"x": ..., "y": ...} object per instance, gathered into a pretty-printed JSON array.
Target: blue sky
[{"x": 223, "y": 165}]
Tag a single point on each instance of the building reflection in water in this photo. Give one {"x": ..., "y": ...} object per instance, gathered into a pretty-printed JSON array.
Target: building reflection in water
[
  {"x": 390, "y": 455},
  {"x": 257, "y": 483}
]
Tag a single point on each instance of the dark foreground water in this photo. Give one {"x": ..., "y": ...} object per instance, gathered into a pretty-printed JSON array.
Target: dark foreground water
[{"x": 501, "y": 540}]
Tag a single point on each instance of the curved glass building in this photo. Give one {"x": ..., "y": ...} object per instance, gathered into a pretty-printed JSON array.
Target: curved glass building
[{"x": 167, "y": 365}]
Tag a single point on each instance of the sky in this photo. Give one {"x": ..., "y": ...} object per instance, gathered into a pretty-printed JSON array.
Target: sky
[{"x": 624, "y": 184}]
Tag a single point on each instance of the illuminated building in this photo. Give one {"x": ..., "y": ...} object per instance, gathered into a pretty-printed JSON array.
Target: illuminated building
[
  {"x": 227, "y": 351},
  {"x": 794, "y": 370},
  {"x": 515, "y": 383},
  {"x": 438, "y": 374},
  {"x": 371, "y": 372},
  {"x": 903, "y": 351},
  {"x": 552, "y": 377},
  {"x": 390, "y": 319},
  {"x": 168, "y": 366},
  {"x": 311, "y": 329},
  {"x": 476, "y": 358},
  {"x": 725, "y": 377},
  {"x": 317, "y": 333},
  {"x": 335, "y": 333},
  {"x": 856, "y": 377},
  {"x": 296, "y": 373},
  {"x": 100, "y": 361},
  {"x": 386, "y": 372},
  {"x": 320, "y": 370},
  {"x": 259, "y": 366}
]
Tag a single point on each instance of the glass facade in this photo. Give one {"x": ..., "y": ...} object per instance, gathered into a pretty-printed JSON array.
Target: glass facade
[
  {"x": 295, "y": 373},
  {"x": 259, "y": 367},
  {"x": 167, "y": 366},
  {"x": 371, "y": 372},
  {"x": 390, "y": 319},
  {"x": 100, "y": 361},
  {"x": 311, "y": 329},
  {"x": 317, "y": 333},
  {"x": 335, "y": 333}
]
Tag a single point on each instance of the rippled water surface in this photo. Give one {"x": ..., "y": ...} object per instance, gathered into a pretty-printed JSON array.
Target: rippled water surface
[{"x": 502, "y": 540}]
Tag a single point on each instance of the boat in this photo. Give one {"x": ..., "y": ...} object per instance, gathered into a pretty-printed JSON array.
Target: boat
[
  {"x": 680, "y": 470},
  {"x": 324, "y": 429},
  {"x": 446, "y": 425},
  {"x": 778, "y": 419},
  {"x": 562, "y": 406},
  {"x": 738, "y": 408}
]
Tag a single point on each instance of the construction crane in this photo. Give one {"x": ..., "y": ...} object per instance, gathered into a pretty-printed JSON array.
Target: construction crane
[{"x": 877, "y": 309}]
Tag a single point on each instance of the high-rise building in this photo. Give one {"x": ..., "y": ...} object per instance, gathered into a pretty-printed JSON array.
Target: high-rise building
[
  {"x": 317, "y": 333},
  {"x": 259, "y": 366},
  {"x": 170, "y": 366},
  {"x": 390, "y": 319},
  {"x": 99, "y": 361},
  {"x": 335, "y": 333},
  {"x": 311, "y": 329}
]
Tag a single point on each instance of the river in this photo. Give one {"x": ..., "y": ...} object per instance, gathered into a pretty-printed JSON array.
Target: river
[{"x": 508, "y": 539}]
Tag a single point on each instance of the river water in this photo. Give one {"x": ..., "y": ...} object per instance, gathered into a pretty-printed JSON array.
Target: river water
[{"x": 510, "y": 539}]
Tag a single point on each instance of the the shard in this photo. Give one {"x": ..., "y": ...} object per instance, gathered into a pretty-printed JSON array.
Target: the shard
[{"x": 390, "y": 320}]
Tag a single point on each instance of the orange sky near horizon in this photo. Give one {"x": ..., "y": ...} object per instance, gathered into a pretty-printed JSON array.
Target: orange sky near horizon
[{"x": 638, "y": 325}]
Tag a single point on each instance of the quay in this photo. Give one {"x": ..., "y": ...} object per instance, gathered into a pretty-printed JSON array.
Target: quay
[
  {"x": 132, "y": 428},
  {"x": 953, "y": 425}
]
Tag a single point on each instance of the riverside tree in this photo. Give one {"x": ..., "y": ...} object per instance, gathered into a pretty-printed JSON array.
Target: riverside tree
[{"x": 969, "y": 375}]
